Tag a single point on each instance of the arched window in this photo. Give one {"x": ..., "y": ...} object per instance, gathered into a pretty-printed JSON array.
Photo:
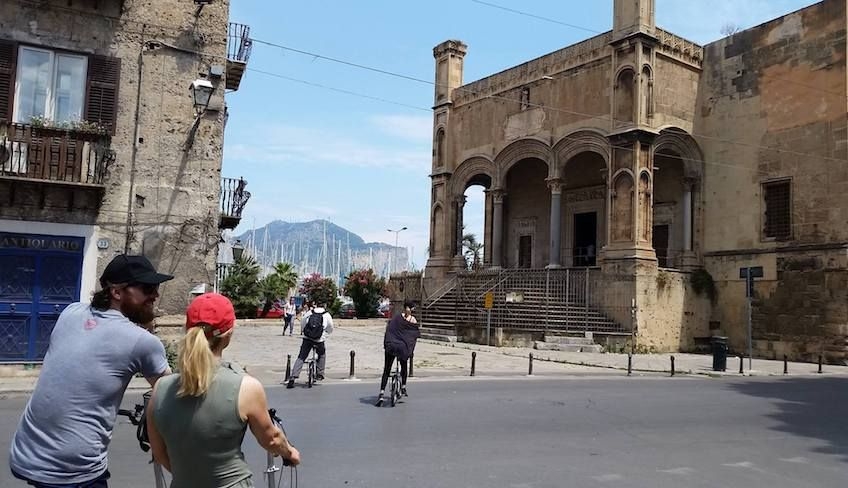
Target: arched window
[{"x": 624, "y": 105}]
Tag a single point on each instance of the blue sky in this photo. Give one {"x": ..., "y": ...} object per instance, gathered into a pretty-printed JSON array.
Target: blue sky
[{"x": 310, "y": 152}]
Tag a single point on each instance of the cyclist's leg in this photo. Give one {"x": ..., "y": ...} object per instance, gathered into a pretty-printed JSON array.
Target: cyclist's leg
[
  {"x": 387, "y": 370},
  {"x": 403, "y": 364},
  {"x": 321, "y": 350},
  {"x": 305, "y": 347}
]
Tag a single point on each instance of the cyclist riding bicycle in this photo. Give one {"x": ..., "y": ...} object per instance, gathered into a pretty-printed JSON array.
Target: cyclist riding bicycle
[
  {"x": 198, "y": 417},
  {"x": 95, "y": 350},
  {"x": 399, "y": 343}
]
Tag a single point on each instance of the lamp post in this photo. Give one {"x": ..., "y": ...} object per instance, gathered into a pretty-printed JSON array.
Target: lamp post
[
  {"x": 238, "y": 250},
  {"x": 394, "y": 255}
]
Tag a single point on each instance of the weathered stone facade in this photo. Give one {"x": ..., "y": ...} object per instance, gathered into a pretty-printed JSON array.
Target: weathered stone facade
[
  {"x": 159, "y": 194},
  {"x": 648, "y": 155}
]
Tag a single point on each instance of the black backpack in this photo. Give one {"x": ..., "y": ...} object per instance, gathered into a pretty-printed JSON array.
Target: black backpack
[{"x": 314, "y": 327}]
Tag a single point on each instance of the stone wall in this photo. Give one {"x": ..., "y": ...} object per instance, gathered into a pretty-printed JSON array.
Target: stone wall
[
  {"x": 771, "y": 105},
  {"x": 671, "y": 315},
  {"x": 161, "y": 195}
]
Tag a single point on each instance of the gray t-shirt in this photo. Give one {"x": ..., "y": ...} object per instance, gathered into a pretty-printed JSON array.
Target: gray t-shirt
[{"x": 67, "y": 424}]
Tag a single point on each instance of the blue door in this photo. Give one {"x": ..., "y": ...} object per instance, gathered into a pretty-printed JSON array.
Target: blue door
[{"x": 40, "y": 275}]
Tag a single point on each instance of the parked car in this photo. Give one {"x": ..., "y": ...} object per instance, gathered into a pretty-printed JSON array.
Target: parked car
[
  {"x": 347, "y": 311},
  {"x": 275, "y": 312}
]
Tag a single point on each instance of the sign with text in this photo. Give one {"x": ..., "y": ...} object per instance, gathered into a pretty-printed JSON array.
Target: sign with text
[
  {"x": 35, "y": 242},
  {"x": 489, "y": 300}
]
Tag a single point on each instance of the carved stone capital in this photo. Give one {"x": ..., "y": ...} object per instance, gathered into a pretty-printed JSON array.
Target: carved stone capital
[
  {"x": 555, "y": 185},
  {"x": 498, "y": 196}
]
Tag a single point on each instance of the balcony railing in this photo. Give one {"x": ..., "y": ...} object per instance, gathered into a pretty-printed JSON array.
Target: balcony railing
[
  {"x": 55, "y": 155},
  {"x": 233, "y": 199},
  {"x": 239, "y": 46}
]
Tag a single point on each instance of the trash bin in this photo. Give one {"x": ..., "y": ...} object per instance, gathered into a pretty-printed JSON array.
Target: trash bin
[{"x": 719, "y": 347}]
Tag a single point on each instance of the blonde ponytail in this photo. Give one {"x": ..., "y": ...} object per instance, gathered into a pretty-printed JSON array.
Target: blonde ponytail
[{"x": 197, "y": 364}]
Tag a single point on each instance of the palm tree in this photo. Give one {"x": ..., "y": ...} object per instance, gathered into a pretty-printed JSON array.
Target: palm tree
[
  {"x": 277, "y": 285},
  {"x": 240, "y": 286},
  {"x": 473, "y": 250}
]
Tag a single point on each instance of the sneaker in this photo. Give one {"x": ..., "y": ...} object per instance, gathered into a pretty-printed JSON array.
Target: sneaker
[
  {"x": 380, "y": 400},
  {"x": 403, "y": 391},
  {"x": 320, "y": 377},
  {"x": 290, "y": 384}
]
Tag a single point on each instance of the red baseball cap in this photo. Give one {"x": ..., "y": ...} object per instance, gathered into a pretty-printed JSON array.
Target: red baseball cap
[{"x": 213, "y": 312}]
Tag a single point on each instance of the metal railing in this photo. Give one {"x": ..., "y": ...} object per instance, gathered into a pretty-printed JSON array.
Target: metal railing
[
  {"x": 234, "y": 197},
  {"x": 562, "y": 300},
  {"x": 58, "y": 155},
  {"x": 222, "y": 270},
  {"x": 239, "y": 44}
]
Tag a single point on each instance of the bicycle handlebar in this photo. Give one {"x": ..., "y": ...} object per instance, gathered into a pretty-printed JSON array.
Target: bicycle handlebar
[{"x": 272, "y": 412}]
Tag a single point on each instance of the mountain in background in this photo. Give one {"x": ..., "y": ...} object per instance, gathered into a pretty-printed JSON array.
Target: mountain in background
[{"x": 320, "y": 246}]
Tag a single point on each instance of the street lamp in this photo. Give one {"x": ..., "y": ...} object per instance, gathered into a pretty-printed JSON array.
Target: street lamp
[
  {"x": 238, "y": 250},
  {"x": 394, "y": 258},
  {"x": 201, "y": 92}
]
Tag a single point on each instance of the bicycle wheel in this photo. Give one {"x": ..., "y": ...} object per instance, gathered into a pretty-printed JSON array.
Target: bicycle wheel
[
  {"x": 311, "y": 374},
  {"x": 395, "y": 389}
]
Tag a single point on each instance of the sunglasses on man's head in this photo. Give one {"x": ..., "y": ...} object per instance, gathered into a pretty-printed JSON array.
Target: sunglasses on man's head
[{"x": 146, "y": 288}]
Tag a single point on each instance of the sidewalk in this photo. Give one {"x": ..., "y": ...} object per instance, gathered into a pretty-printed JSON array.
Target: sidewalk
[{"x": 260, "y": 347}]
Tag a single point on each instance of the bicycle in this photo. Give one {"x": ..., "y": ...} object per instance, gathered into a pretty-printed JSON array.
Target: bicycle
[
  {"x": 311, "y": 373},
  {"x": 396, "y": 383},
  {"x": 272, "y": 469},
  {"x": 137, "y": 418}
]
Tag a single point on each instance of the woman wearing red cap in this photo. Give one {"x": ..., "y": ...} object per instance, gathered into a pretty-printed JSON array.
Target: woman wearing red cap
[{"x": 198, "y": 417}]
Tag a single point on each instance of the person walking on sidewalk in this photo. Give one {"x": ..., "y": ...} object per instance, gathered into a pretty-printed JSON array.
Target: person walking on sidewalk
[
  {"x": 316, "y": 326},
  {"x": 289, "y": 317},
  {"x": 399, "y": 343},
  {"x": 199, "y": 416},
  {"x": 95, "y": 350}
]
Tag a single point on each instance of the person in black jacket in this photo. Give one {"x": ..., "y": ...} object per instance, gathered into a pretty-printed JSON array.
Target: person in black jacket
[{"x": 399, "y": 343}]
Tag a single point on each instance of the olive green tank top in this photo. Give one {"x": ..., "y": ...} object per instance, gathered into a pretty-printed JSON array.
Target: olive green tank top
[{"x": 203, "y": 435}]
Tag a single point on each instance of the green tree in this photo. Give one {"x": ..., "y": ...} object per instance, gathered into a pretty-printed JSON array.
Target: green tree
[
  {"x": 277, "y": 285},
  {"x": 241, "y": 286},
  {"x": 473, "y": 251},
  {"x": 366, "y": 289},
  {"x": 320, "y": 290}
]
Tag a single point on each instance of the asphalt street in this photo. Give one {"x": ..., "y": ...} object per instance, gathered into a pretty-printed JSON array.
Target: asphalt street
[{"x": 536, "y": 432}]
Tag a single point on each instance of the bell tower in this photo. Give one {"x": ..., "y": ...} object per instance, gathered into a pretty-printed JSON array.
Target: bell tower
[{"x": 632, "y": 17}]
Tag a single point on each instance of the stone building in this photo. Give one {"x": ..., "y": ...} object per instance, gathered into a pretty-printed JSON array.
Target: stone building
[
  {"x": 630, "y": 176},
  {"x": 104, "y": 149}
]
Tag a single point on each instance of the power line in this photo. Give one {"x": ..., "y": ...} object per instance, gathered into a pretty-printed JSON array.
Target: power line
[{"x": 537, "y": 17}]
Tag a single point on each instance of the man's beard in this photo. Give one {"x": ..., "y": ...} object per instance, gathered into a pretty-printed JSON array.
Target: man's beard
[{"x": 140, "y": 314}]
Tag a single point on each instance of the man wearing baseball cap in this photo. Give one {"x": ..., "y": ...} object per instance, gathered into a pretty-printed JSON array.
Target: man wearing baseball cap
[
  {"x": 195, "y": 432},
  {"x": 95, "y": 349}
]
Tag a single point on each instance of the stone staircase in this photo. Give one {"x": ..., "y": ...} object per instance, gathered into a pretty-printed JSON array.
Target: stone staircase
[
  {"x": 463, "y": 305},
  {"x": 568, "y": 344}
]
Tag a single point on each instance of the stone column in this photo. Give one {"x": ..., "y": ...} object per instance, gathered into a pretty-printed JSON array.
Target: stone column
[
  {"x": 687, "y": 214},
  {"x": 555, "y": 255},
  {"x": 497, "y": 228},
  {"x": 460, "y": 204}
]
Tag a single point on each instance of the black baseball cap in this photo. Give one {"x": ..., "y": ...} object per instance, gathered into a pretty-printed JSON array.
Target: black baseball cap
[
  {"x": 132, "y": 269},
  {"x": 409, "y": 304}
]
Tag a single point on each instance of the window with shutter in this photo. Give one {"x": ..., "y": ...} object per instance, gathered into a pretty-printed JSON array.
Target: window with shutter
[
  {"x": 8, "y": 52},
  {"x": 104, "y": 75},
  {"x": 778, "y": 204}
]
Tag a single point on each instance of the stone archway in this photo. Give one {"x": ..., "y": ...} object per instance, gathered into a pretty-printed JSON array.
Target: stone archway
[
  {"x": 584, "y": 208},
  {"x": 526, "y": 214},
  {"x": 678, "y": 170},
  {"x": 478, "y": 171}
]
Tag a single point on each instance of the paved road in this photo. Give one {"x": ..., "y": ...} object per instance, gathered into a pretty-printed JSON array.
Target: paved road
[{"x": 580, "y": 432}]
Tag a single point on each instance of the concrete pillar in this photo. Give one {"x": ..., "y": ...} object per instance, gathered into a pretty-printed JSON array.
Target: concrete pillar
[
  {"x": 556, "y": 223},
  {"x": 497, "y": 228}
]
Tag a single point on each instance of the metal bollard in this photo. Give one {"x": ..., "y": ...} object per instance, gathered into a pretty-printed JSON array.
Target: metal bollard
[
  {"x": 741, "y": 363},
  {"x": 785, "y": 365},
  {"x": 411, "y": 356},
  {"x": 473, "y": 362},
  {"x": 352, "y": 364},
  {"x": 629, "y": 364},
  {"x": 530, "y": 373},
  {"x": 288, "y": 367},
  {"x": 820, "y": 363},
  {"x": 672, "y": 365}
]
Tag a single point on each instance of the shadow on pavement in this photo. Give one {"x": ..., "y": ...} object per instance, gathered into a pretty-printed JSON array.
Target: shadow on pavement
[{"x": 808, "y": 407}]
